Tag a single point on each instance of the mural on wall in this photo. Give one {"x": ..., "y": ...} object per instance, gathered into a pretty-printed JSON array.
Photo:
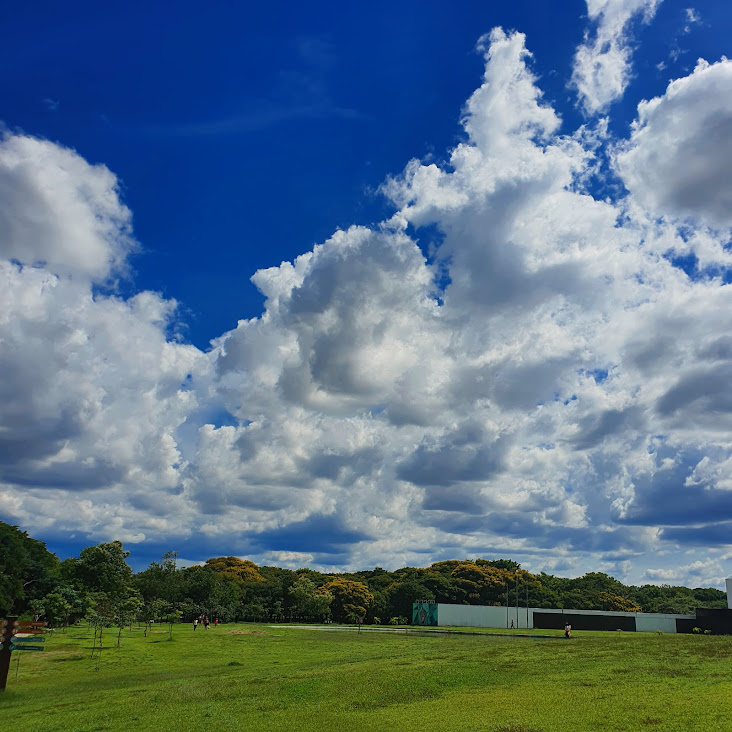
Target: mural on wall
[{"x": 424, "y": 613}]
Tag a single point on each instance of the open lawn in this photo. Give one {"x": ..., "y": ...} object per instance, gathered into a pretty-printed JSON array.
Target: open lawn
[{"x": 258, "y": 677}]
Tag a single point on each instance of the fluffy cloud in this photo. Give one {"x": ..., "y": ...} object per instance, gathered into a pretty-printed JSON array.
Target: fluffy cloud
[
  {"x": 601, "y": 69},
  {"x": 92, "y": 391},
  {"x": 58, "y": 211},
  {"x": 677, "y": 161},
  {"x": 550, "y": 384},
  {"x": 699, "y": 573}
]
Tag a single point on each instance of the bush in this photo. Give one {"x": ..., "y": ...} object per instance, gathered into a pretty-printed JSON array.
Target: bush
[
  {"x": 696, "y": 630},
  {"x": 377, "y": 621}
]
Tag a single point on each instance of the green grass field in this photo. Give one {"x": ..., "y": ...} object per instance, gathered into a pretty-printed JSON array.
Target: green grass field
[{"x": 257, "y": 677}]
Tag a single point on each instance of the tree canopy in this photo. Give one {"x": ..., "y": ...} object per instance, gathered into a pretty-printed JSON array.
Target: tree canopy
[{"x": 100, "y": 582}]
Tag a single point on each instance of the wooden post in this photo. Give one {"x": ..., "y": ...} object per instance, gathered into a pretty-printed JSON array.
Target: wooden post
[{"x": 9, "y": 626}]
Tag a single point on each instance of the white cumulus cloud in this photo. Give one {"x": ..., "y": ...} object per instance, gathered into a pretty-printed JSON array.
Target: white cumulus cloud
[
  {"x": 678, "y": 160},
  {"x": 59, "y": 211},
  {"x": 550, "y": 384},
  {"x": 91, "y": 388},
  {"x": 602, "y": 63}
]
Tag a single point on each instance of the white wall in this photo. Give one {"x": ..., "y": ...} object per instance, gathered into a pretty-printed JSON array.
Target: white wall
[
  {"x": 482, "y": 616},
  {"x": 651, "y": 622},
  {"x": 729, "y": 592}
]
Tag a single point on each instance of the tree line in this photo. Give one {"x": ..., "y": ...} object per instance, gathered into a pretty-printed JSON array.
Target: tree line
[{"x": 100, "y": 586}]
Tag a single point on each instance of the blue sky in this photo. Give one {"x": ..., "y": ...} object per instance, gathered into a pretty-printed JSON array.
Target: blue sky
[
  {"x": 216, "y": 120},
  {"x": 377, "y": 408}
]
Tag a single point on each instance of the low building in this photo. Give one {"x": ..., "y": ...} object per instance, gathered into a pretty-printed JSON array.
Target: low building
[{"x": 485, "y": 616}]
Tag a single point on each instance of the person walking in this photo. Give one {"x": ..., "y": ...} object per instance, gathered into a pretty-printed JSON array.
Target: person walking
[
  {"x": 195, "y": 623},
  {"x": 205, "y": 622},
  {"x": 567, "y": 630}
]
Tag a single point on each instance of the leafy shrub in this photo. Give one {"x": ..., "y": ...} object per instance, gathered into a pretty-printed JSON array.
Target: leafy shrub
[{"x": 377, "y": 621}]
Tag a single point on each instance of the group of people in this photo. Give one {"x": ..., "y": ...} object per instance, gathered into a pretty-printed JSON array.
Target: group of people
[{"x": 204, "y": 621}]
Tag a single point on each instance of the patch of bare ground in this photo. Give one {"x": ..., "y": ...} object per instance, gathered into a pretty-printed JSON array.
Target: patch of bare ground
[{"x": 246, "y": 632}]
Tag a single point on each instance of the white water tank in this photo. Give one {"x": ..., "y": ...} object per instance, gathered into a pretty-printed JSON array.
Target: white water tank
[{"x": 729, "y": 592}]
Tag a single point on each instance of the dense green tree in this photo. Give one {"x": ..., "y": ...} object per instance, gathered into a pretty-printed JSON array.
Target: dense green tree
[
  {"x": 207, "y": 592},
  {"x": 482, "y": 584},
  {"x": 670, "y": 599},
  {"x": 275, "y": 589},
  {"x": 681, "y": 601},
  {"x": 610, "y": 601},
  {"x": 508, "y": 564},
  {"x": 254, "y": 611},
  {"x": 710, "y": 597},
  {"x": 446, "y": 567},
  {"x": 350, "y": 599},
  {"x": 403, "y": 594},
  {"x": 54, "y": 608},
  {"x": 161, "y": 579},
  {"x": 234, "y": 568},
  {"x": 584, "y": 593},
  {"x": 103, "y": 569},
  {"x": 380, "y": 606},
  {"x": 75, "y": 600},
  {"x": 647, "y": 596},
  {"x": 28, "y": 570},
  {"x": 198, "y": 586},
  {"x": 309, "y": 601},
  {"x": 442, "y": 587},
  {"x": 13, "y": 563}
]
